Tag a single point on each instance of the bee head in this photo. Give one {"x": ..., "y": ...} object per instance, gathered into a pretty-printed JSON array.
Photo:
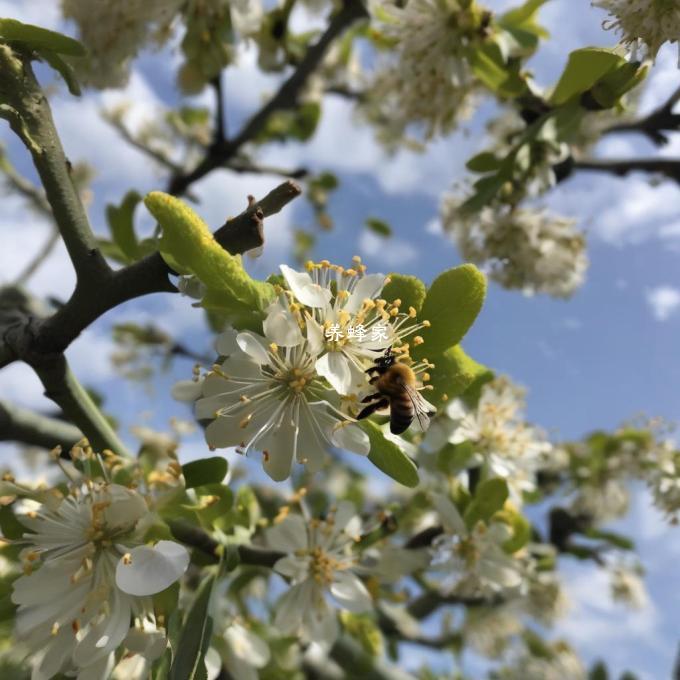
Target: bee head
[{"x": 386, "y": 360}]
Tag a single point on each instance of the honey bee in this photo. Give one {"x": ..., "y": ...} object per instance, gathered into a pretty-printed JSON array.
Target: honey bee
[{"x": 396, "y": 387}]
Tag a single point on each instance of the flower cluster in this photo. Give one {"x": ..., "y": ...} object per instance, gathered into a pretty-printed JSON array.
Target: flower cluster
[
  {"x": 474, "y": 561},
  {"x": 502, "y": 441},
  {"x": 114, "y": 32},
  {"x": 87, "y": 573},
  {"x": 520, "y": 248},
  {"x": 648, "y": 23},
  {"x": 319, "y": 562},
  {"x": 287, "y": 392},
  {"x": 431, "y": 82}
]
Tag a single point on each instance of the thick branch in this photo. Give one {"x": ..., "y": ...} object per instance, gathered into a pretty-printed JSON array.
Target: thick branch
[
  {"x": 621, "y": 167},
  {"x": 655, "y": 124},
  {"x": 150, "y": 275},
  {"x": 27, "y": 427},
  {"x": 286, "y": 98},
  {"x": 25, "y": 106}
]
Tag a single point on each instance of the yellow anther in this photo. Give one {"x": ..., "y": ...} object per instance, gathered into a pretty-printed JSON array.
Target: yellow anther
[
  {"x": 356, "y": 259},
  {"x": 426, "y": 324},
  {"x": 273, "y": 347},
  {"x": 309, "y": 265},
  {"x": 351, "y": 272},
  {"x": 412, "y": 312},
  {"x": 55, "y": 628},
  {"x": 244, "y": 422},
  {"x": 426, "y": 377},
  {"x": 418, "y": 340}
]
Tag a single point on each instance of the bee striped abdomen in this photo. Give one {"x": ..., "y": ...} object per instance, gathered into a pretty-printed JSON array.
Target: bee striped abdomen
[{"x": 401, "y": 413}]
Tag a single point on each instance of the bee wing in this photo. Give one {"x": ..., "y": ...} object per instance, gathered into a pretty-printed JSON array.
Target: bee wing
[{"x": 421, "y": 407}]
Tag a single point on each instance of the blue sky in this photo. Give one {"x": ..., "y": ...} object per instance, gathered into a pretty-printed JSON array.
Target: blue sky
[{"x": 591, "y": 362}]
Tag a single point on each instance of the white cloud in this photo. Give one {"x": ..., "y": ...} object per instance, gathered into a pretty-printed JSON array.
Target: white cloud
[
  {"x": 394, "y": 252},
  {"x": 43, "y": 13},
  {"x": 663, "y": 301},
  {"x": 594, "y": 622}
]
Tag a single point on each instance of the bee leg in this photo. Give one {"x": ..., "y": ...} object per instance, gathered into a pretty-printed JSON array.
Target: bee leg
[{"x": 372, "y": 408}]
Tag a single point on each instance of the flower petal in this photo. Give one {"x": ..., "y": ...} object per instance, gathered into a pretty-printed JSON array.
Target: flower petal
[
  {"x": 247, "y": 646},
  {"x": 305, "y": 290},
  {"x": 254, "y": 346},
  {"x": 334, "y": 366},
  {"x": 449, "y": 515},
  {"x": 352, "y": 438},
  {"x": 150, "y": 570},
  {"x": 281, "y": 327},
  {"x": 186, "y": 390},
  {"x": 351, "y": 593},
  {"x": 367, "y": 287},
  {"x": 289, "y": 535}
]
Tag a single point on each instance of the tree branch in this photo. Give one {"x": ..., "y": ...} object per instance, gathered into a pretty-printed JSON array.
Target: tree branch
[
  {"x": 150, "y": 275},
  {"x": 63, "y": 388},
  {"x": 655, "y": 124},
  {"x": 24, "y": 105},
  {"x": 201, "y": 540},
  {"x": 286, "y": 98},
  {"x": 621, "y": 167},
  {"x": 27, "y": 427}
]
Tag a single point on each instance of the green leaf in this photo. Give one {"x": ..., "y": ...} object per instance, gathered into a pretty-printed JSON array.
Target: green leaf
[
  {"x": 483, "y": 162},
  {"x": 205, "y": 471},
  {"x": 40, "y": 38},
  {"x": 611, "y": 537},
  {"x": 378, "y": 226},
  {"x": 452, "y": 304},
  {"x": 487, "y": 64},
  {"x": 598, "y": 672},
  {"x": 389, "y": 458},
  {"x": 299, "y": 123},
  {"x": 188, "y": 244},
  {"x": 584, "y": 68},
  {"x": 189, "y": 661},
  {"x": 521, "y": 529},
  {"x": 64, "y": 69},
  {"x": 609, "y": 90},
  {"x": 10, "y": 526},
  {"x": 121, "y": 225},
  {"x": 453, "y": 373},
  {"x": 453, "y": 458},
  {"x": 523, "y": 14},
  {"x": 409, "y": 289},
  {"x": 490, "y": 496}
]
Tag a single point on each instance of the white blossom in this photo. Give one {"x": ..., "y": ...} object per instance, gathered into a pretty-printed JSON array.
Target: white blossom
[
  {"x": 347, "y": 325},
  {"x": 430, "y": 82},
  {"x": 473, "y": 560},
  {"x": 85, "y": 578},
  {"x": 555, "y": 662},
  {"x": 628, "y": 587},
  {"x": 663, "y": 479},
  {"x": 502, "y": 440},
  {"x": 319, "y": 563},
  {"x": 648, "y": 23},
  {"x": 114, "y": 33},
  {"x": 520, "y": 248},
  {"x": 268, "y": 398}
]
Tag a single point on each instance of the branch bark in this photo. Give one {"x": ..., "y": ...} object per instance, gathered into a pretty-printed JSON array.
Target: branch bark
[
  {"x": 27, "y": 427},
  {"x": 24, "y": 105},
  {"x": 286, "y": 98},
  {"x": 621, "y": 167},
  {"x": 656, "y": 124}
]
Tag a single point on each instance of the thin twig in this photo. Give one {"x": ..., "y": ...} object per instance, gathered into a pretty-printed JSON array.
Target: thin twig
[
  {"x": 286, "y": 98},
  {"x": 621, "y": 167},
  {"x": 39, "y": 258}
]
